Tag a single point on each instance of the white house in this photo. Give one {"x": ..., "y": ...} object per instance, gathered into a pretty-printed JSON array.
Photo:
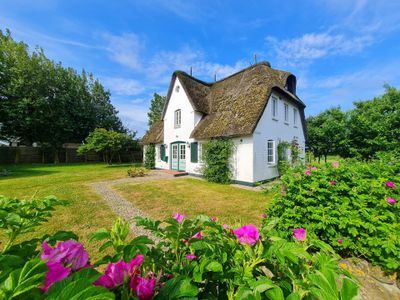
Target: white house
[{"x": 256, "y": 107}]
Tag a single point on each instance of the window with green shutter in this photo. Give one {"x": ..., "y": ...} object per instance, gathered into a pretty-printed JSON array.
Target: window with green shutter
[
  {"x": 194, "y": 152},
  {"x": 162, "y": 152}
]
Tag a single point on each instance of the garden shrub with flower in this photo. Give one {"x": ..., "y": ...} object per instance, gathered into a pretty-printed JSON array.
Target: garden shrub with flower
[
  {"x": 351, "y": 205},
  {"x": 194, "y": 259}
]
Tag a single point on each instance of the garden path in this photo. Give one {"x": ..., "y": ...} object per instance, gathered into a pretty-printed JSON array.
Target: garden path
[{"x": 123, "y": 207}]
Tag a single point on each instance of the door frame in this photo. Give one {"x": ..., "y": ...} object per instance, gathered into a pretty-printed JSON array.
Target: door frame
[{"x": 178, "y": 143}]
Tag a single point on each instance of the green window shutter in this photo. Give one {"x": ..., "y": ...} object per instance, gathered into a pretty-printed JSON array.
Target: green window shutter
[
  {"x": 194, "y": 152},
  {"x": 162, "y": 152}
]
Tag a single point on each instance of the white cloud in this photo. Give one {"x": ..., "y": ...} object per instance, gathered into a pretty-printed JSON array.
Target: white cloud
[
  {"x": 123, "y": 86},
  {"x": 125, "y": 49}
]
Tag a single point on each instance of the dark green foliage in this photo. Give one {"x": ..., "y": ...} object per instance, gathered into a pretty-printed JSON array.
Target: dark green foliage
[
  {"x": 348, "y": 202},
  {"x": 42, "y": 101},
  {"x": 216, "y": 156},
  {"x": 194, "y": 152},
  {"x": 283, "y": 162},
  {"x": 156, "y": 109},
  {"x": 150, "y": 156}
]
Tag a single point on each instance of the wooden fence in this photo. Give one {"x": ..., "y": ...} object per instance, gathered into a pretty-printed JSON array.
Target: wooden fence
[{"x": 28, "y": 155}]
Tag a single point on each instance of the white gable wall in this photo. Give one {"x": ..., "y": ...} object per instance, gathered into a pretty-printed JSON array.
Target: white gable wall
[{"x": 269, "y": 128}]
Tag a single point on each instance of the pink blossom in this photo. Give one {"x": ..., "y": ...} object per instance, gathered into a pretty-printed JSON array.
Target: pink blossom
[
  {"x": 308, "y": 172},
  {"x": 179, "y": 217},
  {"x": 117, "y": 273},
  {"x": 247, "y": 234},
  {"x": 214, "y": 219},
  {"x": 143, "y": 287},
  {"x": 335, "y": 164},
  {"x": 225, "y": 226},
  {"x": 340, "y": 241},
  {"x": 313, "y": 168},
  {"x": 391, "y": 201},
  {"x": 390, "y": 184},
  {"x": 69, "y": 253},
  {"x": 198, "y": 236},
  {"x": 191, "y": 257},
  {"x": 299, "y": 234},
  {"x": 55, "y": 273},
  {"x": 186, "y": 242},
  {"x": 264, "y": 216},
  {"x": 333, "y": 182}
]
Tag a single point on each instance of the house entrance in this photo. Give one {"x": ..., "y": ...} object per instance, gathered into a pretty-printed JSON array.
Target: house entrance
[{"x": 178, "y": 155}]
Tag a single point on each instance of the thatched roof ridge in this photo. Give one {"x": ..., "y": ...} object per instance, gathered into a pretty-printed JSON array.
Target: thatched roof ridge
[{"x": 155, "y": 134}]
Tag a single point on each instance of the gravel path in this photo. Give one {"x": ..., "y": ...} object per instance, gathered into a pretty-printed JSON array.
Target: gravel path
[{"x": 124, "y": 208}]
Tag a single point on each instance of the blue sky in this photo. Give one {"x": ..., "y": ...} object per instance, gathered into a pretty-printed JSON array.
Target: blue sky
[{"x": 340, "y": 50}]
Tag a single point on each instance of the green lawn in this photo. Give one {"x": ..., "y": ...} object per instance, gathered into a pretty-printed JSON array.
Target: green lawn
[
  {"x": 85, "y": 212},
  {"x": 190, "y": 197}
]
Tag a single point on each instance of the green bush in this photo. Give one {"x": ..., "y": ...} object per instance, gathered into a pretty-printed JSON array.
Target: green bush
[
  {"x": 346, "y": 205},
  {"x": 216, "y": 156},
  {"x": 150, "y": 156},
  {"x": 137, "y": 172}
]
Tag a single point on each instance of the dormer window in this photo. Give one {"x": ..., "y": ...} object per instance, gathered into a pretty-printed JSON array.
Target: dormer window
[
  {"x": 177, "y": 119},
  {"x": 291, "y": 84}
]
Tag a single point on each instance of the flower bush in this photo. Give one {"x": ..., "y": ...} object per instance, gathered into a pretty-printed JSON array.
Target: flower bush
[
  {"x": 351, "y": 205},
  {"x": 137, "y": 172},
  {"x": 194, "y": 259}
]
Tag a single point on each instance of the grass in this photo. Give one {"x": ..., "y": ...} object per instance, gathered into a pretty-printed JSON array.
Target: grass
[
  {"x": 191, "y": 197},
  {"x": 86, "y": 211}
]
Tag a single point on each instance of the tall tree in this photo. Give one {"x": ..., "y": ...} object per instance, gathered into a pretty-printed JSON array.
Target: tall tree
[{"x": 156, "y": 109}]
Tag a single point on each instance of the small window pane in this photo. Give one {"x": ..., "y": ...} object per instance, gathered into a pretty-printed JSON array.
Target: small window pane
[
  {"x": 294, "y": 116},
  {"x": 271, "y": 152},
  {"x": 286, "y": 112}
]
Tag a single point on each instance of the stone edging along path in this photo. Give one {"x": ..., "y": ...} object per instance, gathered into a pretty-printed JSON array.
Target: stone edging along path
[{"x": 124, "y": 208}]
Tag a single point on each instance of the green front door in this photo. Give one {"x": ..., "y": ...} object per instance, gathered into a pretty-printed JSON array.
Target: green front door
[{"x": 178, "y": 156}]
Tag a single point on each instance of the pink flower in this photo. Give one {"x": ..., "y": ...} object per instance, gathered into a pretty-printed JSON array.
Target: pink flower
[
  {"x": 264, "y": 216},
  {"x": 55, "y": 273},
  {"x": 117, "y": 273},
  {"x": 390, "y": 184},
  {"x": 247, "y": 234},
  {"x": 340, "y": 241},
  {"x": 313, "y": 168},
  {"x": 214, "y": 219},
  {"x": 69, "y": 253},
  {"x": 335, "y": 164},
  {"x": 179, "y": 217},
  {"x": 198, "y": 236},
  {"x": 299, "y": 234},
  {"x": 191, "y": 257},
  {"x": 225, "y": 226},
  {"x": 333, "y": 182},
  {"x": 391, "y": 201},
  {"x": 186, "y": 242},
  {"x": 143, "y": 287},
  {"x": 308, "y": 172}
]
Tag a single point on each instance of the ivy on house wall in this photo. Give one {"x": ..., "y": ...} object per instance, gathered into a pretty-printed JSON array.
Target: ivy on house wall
[
  {"x": 150, "y": 156},
  {"x": 216, "y": 156}
]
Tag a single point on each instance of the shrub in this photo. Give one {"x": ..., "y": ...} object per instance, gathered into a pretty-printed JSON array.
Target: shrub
[
  {"x": 350, "y": 205},
  {"x": 150, "y": 156},
  {"x": 137, "y": 172},
  {"x": 216, "y": 156}
]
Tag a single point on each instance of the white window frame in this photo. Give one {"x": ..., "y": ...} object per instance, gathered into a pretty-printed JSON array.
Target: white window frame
[
  {"x": 271, "y": 152},
  {"x": 199, "y": 152},
  {"x": 274, "y": 107},
  {"x": 294, "y": 116},
  {"x": 158, "y": 150},
  {"x": 286, "y": 109},
  {"x": 177, "y": 118}
]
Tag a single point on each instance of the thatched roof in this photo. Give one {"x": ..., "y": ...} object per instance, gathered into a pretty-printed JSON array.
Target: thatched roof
[
  {"x": 155, "y": 135},
  {"x": 233, "y": 106}
]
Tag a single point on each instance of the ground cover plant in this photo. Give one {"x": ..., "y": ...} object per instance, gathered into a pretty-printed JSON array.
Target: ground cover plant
[
  {"x": 161, "y": 198},
  {"x": 196, "y": 259},
  {"x": 137, "y": 172},
  {"x": 351, "y": 205}
]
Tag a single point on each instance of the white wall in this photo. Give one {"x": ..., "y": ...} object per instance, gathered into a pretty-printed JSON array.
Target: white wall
[{"x": 269, "y": 128}]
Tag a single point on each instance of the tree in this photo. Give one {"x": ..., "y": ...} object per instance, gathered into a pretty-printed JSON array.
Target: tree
[
  {"x": 156, "y": 109},
  {"x": 41, "y": 101},
  {"x": 327, "y": 133},
  {"x": 105, "y": 142}
]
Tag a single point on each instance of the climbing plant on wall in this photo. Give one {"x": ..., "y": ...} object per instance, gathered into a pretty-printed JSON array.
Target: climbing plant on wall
[
  {"x": 216, "y": 157},
  {"x": 150, "y": 156}
]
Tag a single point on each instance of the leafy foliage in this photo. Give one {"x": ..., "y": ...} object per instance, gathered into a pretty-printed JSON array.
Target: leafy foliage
[
  {"x": 150, "y": 156},
  {"x": 346, "y": 206},
  {"x": 216, "y": 156},
  {"x": 156, "y": 109},
  {"x": 42, "y": 101},
  {"x": 106, "y": 142},
  {"x": 137, "y": 172}
]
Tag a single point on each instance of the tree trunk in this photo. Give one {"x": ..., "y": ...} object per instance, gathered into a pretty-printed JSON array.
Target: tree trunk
[
  {"x": 56, "y": 158},
  {"x": 319, "y": 159},
  {"x": 119, "y": 158},
  {"x": 326, "y": 157},
  {"x": 17, "y": 155}
]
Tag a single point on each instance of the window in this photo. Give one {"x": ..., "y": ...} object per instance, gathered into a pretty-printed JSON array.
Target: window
[
  {"x": 200, "y": 146},
  {"x": 274, "y": 107},
  {"x": 175, "y": 151},
  {"x": 177, "y": 118},
  {"x": 286, "y": 112},
  {"x": 271, "y": 152},
  {"x": 158, "y": 150},
  {"x": 183, "y": 152},
  {"x": 177, "y": 88},
  {"x": 294, "y": 116}
]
